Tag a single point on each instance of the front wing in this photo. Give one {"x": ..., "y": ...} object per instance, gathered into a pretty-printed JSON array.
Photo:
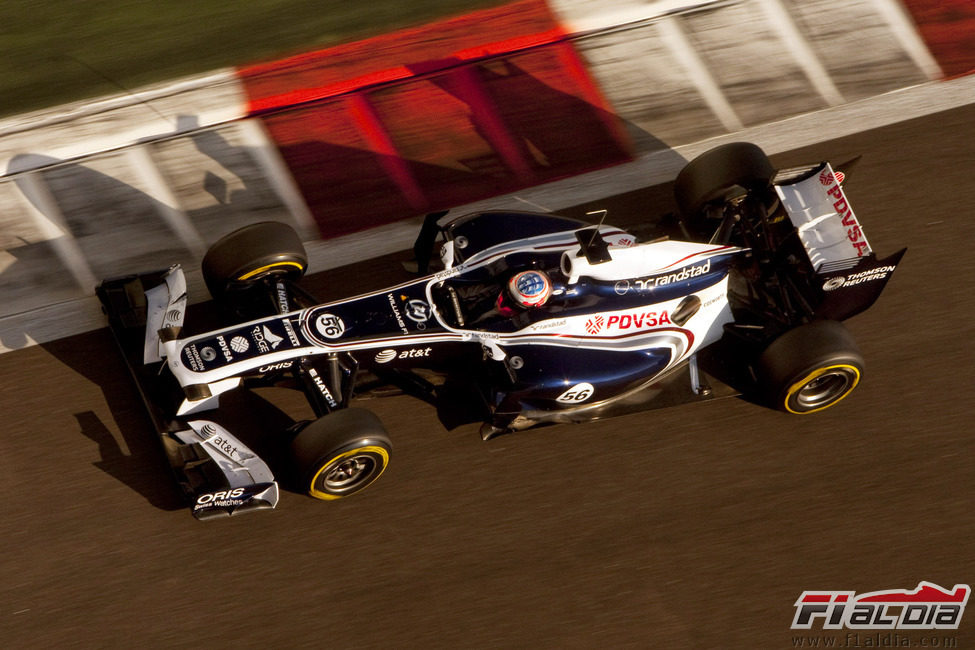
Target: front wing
[{"x": 217, "y": 473}]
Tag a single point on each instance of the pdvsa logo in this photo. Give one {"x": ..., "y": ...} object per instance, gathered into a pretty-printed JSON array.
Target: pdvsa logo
[
  {"x": 928, "y": 607},
  {"x": 239, "y": 344},
  {"x": 595, "y": 324},
  {"x": 842, "y": 207},
  {"x": 638, "y": 321},
  {"x": 827, "y": 179}
]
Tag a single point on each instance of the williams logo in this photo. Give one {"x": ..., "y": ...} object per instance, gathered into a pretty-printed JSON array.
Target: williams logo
[
  {"x": 417, "y": 311},
  {"x": 929, "y": 607}
]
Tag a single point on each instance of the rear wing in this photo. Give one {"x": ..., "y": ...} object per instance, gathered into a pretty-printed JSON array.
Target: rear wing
[
  {"x": 850, "y": 275},
  {"x": 827, "y": 227}
]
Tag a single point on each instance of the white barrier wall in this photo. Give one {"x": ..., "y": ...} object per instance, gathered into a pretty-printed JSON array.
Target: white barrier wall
[
  {"x": 685, "y": 70},
  {"x": 144, "y": 179}
]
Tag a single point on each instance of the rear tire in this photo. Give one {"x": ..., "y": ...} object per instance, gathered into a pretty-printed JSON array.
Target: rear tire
[
  {"x": 719, "y": 175},
  {"x": 252, "y": 253},
  {"x": 340, "y": 454},
  {"x": 810, "y": 367}
]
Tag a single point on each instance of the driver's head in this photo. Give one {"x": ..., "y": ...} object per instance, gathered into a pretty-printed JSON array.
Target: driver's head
[{"x": 529, "y": 289}]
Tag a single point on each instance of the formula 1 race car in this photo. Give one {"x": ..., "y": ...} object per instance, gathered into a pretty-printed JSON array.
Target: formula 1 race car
[{"x": 532, "y": 319}]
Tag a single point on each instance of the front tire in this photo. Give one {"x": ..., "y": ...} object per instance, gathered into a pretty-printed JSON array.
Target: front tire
[
  {"x": 340, "y": 454},
  {"x": 251, "y": 253},
  {"x": 810, "y": 367}
]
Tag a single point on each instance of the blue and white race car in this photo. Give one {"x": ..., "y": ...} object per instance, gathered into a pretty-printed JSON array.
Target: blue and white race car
[{"x": 531, "y": 319}]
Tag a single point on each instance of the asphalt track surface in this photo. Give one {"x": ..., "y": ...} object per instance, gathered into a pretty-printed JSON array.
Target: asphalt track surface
[{"x": 693, "y": 526}]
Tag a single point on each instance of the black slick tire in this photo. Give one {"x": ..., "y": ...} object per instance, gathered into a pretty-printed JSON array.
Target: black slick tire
[
  {"x": 340, "y": 454},
  {"x": 810, "y": 367},
  {"x": 251, "y": 253},
  {"x": 717, "y": 173}
]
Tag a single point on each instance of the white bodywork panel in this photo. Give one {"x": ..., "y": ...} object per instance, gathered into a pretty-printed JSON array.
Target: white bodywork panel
[
  {"x": 654, "y": 258},
  {"x": 239, "y": 464},
  {"x": 166, "y": 307}
]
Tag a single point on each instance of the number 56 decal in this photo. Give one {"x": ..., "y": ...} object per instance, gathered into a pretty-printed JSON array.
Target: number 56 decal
[{"x": 578, "y": 393}]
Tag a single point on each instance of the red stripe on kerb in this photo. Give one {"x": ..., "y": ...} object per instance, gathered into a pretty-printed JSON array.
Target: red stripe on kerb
[
  {"x": 305, "y": 95},
  {"x": 392, "y": 57},
  {"x": 399, "y": 73},
  {"x": 511, "y": 45},
  {"x": 495, "y": 130},
  {"x": 368, "y": 123},
  {"x": 577, "y": 71}
]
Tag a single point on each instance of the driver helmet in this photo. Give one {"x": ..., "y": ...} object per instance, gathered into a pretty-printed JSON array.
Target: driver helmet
[{"x": 530, "y": 289}]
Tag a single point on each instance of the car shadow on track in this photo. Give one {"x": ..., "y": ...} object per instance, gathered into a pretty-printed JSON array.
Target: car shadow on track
[
  {"x": 143, "y": 467},
  {"x": 134, "y": 456}
]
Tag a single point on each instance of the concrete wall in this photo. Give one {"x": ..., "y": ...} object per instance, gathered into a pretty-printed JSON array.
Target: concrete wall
[
  {"x": 136, "y": 182},
  {"x": 708, "y": 68}
]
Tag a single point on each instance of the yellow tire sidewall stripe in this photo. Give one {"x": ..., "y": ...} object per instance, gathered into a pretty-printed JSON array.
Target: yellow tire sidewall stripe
[
  {"x": 325, "y": 496},
  {"x": 818, "y": 372},
  {"x": 251, "y": 274}
]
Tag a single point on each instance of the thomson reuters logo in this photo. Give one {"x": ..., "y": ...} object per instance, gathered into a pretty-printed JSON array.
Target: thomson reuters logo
[
  {"x": 386, "y": 356},
  {"x": 834, "y": 283}
]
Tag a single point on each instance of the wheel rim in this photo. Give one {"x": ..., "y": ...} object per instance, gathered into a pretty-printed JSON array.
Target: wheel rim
[
  {"x": 822, "y": 388},
  {"x": 349, "y": 473}
]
